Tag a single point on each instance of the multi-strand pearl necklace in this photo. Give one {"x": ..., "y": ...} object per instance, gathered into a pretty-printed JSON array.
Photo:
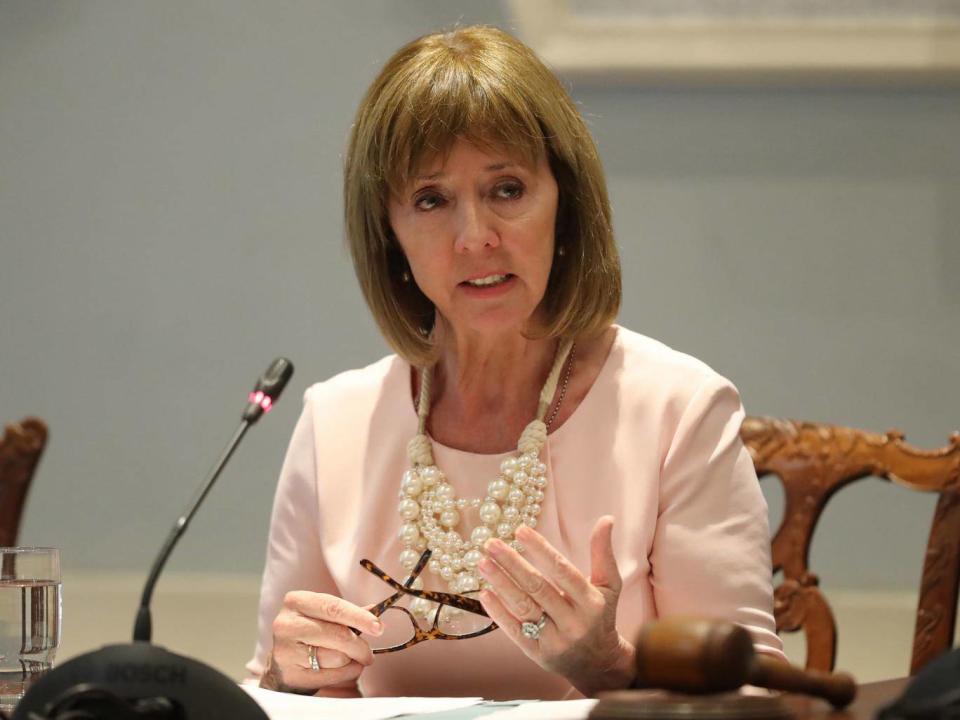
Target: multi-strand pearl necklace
[{"x": 430, "y": 509}]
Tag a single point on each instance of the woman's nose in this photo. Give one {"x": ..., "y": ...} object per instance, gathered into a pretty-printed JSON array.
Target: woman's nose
[{"x": 476, "y": 228}]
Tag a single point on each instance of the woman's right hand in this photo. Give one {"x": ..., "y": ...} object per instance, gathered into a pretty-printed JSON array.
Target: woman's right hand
[{"x": 323, "y": 621}]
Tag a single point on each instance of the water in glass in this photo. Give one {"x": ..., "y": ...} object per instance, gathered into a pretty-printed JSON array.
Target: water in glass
[{"x": 29, "y": 634}]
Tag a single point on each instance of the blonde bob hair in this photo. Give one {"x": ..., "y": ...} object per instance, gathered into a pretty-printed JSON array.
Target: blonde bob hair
[{"x": 485, "y": 86}]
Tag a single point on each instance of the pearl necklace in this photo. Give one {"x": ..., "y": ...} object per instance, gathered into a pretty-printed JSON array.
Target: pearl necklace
[{"x": 430, "y": 509}]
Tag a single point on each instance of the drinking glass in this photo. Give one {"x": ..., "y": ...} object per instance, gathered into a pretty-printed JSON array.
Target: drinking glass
[{"x": 30, "y": 615}]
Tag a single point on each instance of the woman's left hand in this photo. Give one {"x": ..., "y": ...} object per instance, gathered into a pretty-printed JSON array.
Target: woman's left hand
[{"x": 579, "y": 639}]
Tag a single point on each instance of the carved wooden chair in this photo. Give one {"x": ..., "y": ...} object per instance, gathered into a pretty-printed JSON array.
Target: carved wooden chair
[
  {"x": 814, "y": 461},
  {"x": 20, "y": 450}
]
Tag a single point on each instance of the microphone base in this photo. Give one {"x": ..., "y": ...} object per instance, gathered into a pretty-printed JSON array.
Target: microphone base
[{"x": 163, "y": 685}]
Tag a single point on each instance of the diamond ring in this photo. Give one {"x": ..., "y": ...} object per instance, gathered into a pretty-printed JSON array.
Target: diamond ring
[{"x": 532, "y": 630}]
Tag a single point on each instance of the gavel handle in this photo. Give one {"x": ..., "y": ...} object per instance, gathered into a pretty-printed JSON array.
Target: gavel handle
[{"x": 838, "y": 689}]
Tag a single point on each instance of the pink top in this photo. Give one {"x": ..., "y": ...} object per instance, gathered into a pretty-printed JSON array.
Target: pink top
[{"x": 655, "y": 443}]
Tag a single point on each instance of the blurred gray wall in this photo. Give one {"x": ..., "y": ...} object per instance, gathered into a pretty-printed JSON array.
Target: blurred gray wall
[{"x": 170, "y": 220}]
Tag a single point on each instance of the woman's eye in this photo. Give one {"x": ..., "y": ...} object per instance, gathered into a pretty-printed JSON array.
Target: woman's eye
[
  {"x": 508, "y": 191},
  {"x": 427, "y": 201}
]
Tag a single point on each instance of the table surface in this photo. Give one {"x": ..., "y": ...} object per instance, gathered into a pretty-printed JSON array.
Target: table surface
[{"x": 870, "y": 698}]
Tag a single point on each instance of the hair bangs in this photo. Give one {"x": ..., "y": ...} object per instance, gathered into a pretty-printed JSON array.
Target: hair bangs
[{"x": 452, "y": 103}]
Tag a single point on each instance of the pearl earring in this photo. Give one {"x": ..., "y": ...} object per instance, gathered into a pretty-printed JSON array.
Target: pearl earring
[
  {"x": 561, "y": 251},
  {"x": 405, "y": 276}
]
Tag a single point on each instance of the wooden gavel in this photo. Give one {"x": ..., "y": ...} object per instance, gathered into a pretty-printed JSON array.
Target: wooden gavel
[{"x": 711, "y": 656}]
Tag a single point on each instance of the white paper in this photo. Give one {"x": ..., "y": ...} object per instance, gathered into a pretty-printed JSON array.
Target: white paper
[
  {"x": 288, "y": 706},
  {"x": 546, "y": 710}
]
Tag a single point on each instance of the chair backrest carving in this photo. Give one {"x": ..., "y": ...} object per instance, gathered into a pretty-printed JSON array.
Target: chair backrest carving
[
  {"x": 814, "y": 461},
  {"x": 20, "y": 450}
]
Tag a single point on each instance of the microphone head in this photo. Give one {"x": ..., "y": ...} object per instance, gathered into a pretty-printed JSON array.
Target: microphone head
[
  {"x": 275, "y": 377},
  {"x": 268, "y": 389}
]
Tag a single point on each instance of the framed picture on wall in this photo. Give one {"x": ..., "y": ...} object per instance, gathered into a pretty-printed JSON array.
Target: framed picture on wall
[{"x": 744, "y": 41}]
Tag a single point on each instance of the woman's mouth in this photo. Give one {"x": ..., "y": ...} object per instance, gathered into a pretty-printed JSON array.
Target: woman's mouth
[
  {"x": 488, "y": 281},
  {"x": 489, "y": 285}
]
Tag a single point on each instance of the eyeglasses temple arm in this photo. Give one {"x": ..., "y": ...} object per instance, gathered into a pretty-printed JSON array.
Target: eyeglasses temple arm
[
  {"x": 381, "y": 606},
  {"x": 457, "y": 601}
]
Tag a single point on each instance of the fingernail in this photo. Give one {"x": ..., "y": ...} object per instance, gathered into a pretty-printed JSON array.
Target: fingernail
[
  {"x": 493, "y": 546},
  {"x": 521, "y": 532},
  {"x": 377, "y": 627}
]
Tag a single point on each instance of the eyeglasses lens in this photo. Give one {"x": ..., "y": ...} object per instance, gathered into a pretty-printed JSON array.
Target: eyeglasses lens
[
  {"x": 398, "y": 621},
  {"x": 454, "y": 621}
]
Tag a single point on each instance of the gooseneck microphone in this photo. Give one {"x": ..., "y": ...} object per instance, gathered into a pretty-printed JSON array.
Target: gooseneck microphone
[
  {"x": 141, "y": 680},
  {"x": 261, "y": 399}
]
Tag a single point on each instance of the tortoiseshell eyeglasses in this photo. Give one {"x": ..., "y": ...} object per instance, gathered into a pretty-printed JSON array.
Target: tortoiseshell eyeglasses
[{"x": 411, "y": 615}]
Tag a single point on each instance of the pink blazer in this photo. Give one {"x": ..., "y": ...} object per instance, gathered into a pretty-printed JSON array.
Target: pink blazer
[{"x": 655, "y": 443}]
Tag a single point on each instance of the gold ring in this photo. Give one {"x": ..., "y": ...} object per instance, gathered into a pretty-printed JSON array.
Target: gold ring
[{"x": 312, "y": 657}]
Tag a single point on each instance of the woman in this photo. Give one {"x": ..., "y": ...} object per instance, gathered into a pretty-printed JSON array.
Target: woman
[{"x": 479, "y": 226}]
